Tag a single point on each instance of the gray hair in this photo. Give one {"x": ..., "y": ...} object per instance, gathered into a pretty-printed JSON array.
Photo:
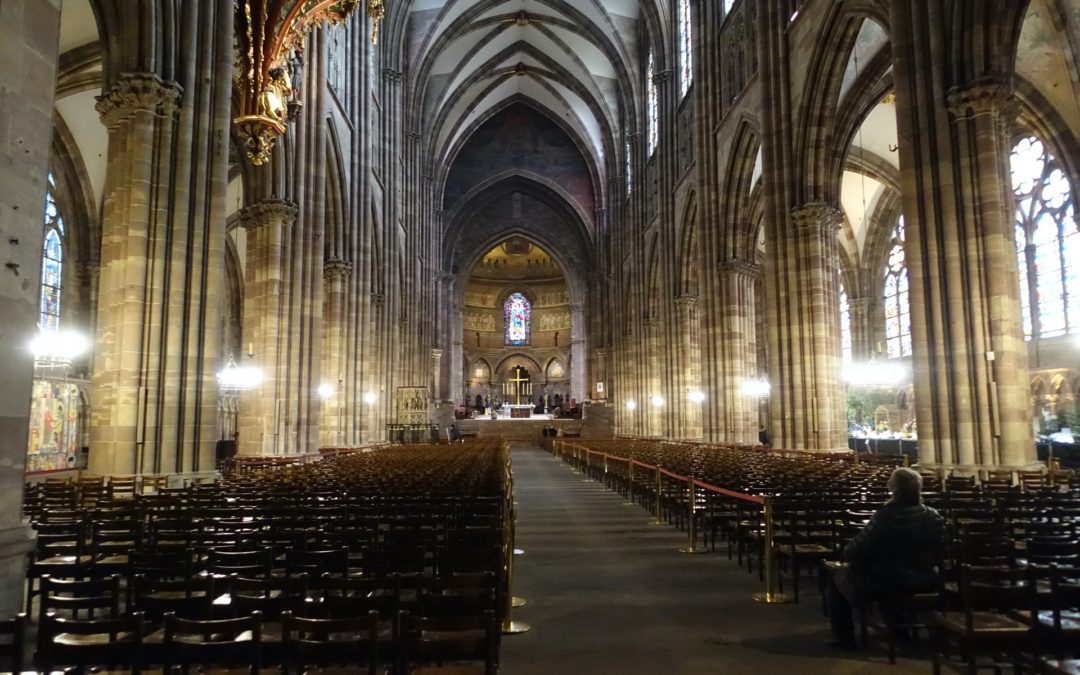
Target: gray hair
[{"x": 906, "y": 485}]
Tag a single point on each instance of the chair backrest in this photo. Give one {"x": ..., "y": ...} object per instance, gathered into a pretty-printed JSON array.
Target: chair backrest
[
  {"x": 214, "y": 642},
  {"x": 324, "y": 642},
  {"x": 118, "y": 642},
  {"x": 992, "y": 588},
  {"x": 95, "y": 598},
  {"x": 437, "y": 640},
  {"x": 270, "y": 596},
  {"x": 457, "y": 596},
  {"x": 14, "y": 649}
]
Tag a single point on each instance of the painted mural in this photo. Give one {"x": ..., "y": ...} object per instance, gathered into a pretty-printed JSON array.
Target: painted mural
[{"x": 54, "y": 426}]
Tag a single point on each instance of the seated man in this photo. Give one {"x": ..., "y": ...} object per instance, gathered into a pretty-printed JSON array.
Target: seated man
[
  {"x": 897, "y": 553},
  {"x": 455, "y": 434}
]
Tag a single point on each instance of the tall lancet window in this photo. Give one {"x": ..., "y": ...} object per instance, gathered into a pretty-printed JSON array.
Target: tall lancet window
[
  {"x": 652, "y": 103},
  {"x": 629, "y": 168},
  {"x": 897, "y": 303},
  {"x": 1047, "y": 242},
  {"x": 845, "y": 325},
  {"x": 686, "y": 48},
  {"x": 518, "y": 315},
  {"x": 52, "y": 263}
]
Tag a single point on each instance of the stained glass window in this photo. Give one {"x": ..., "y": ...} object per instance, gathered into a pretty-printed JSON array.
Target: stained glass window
[
  {"x": 845, "y": 325},
  {"x": 1047, "y": 242},
  {"x": 518, "y": 313},
  {"x": 686, "y": 52},
  {"x": 897, "y": 303},
  {"x": 728, "y": 4},
  {"x": 629, "y": 168},
  {"x": 653, "y": 104},
  {"x": 52, "y": 263}
]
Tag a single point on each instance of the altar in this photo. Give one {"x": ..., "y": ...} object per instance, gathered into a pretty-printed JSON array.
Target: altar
[{"x": 520, "y": 412}]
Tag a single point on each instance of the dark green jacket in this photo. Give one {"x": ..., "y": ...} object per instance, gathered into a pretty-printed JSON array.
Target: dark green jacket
[{"x": 901, "y": 546}]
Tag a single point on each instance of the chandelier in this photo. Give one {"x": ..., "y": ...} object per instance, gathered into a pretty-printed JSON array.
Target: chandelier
[
  {"x": 57, "y": 349},
  {"x": 875, "y": 373},
  {"x": 234, "y": 378},
  {"x": 270, "y": 39},
  {"x": 758, "y": 388}
]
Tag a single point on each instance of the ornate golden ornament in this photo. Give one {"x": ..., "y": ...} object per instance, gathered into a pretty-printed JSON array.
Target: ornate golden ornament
[{"x": 270, "y": 38}]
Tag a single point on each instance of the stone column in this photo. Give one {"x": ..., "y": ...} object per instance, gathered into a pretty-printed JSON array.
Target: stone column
[
  {"x": 436, "y": 375},
  {"x": 29, "y": 31},
  {"x": 970, "y": 358},
  {"x": 807, "y": 400},
  {"x": 737, "y": 350},
  {"x": 689, "y": 359},
  {"x": 600, "y": 373},
  {"x": 336, "y": 275},
  {"x": 654, "y": 415},
  {"x": 863, "y": 344},
  {"x": 579, "y": 365},
  {"x": 269, "y": 226}
]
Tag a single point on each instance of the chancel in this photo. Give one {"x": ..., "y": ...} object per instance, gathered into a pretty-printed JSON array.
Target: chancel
[{"x": 721, "y": 266}]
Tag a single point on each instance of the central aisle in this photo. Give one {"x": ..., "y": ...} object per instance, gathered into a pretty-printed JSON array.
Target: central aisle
[{"x": 607, "y": 593}]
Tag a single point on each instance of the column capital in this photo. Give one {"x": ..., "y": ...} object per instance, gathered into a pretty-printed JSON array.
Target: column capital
[
  {"x": 254, "y": 216},
  {"x": 577, "y": 307},
  {"x": 138, "y": 92},
  {"x": 392, "y": 76},
  {"x": 686, "y": 302},
  {"x": 817, "y": 216},
  {"x": 739, "y": 268},
  {"x": 436, "y": 353},
  {"x": 378, "y": 299},
  {"x": 413, "y": 136},
  {"x": 986, "y": 96},
  {"x": 663, "y": 76},
  {"x": 336, "y": 268}
]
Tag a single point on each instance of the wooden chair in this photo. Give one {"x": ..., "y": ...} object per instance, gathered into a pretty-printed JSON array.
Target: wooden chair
[
  {"x": 91, "y": 643},
  {"x": 986, "y": 623},
  {"x": 345, "y": 643},
  {"x": 225, "y": 642},
  {"x": 464, "y": 646},
  {"x": 14, "y": 649}
]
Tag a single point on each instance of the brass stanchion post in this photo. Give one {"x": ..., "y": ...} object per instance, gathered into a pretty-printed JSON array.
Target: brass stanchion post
[
  {"x": 691, "y": 524},
  {"x": 509, "y": 626},
  {"x": 772, "y": 594},
  {"x": 630, "y": 484},
  {"x": 907, "y": 461},
  {"x": 657, "y": 519}
]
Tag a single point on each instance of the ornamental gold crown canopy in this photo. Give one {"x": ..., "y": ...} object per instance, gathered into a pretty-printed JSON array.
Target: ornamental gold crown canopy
[{"x": 270, "y": 62}]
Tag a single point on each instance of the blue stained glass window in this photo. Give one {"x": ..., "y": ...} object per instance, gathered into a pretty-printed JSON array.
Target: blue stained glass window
[
  {"x": 845, "y": 325},
  {"x": 52, "y": 264},
  {"x": 686, "y": 48},
  {"x": 653, "y": 104},
  {"x": 896, "y": 296},
  {"x": 1047, "y": 242},
  {"x": 518, "y": 314}
]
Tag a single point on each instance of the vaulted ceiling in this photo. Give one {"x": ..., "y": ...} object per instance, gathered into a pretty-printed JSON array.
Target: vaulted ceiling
[{"x": 569, "y": 60}]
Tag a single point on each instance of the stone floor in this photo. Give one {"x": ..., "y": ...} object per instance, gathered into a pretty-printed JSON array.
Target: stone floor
[{"x": 607, "y": 593}]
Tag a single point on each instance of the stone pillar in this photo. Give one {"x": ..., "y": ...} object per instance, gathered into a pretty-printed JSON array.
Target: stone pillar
[
  {"x": 29, "y": 31},
  {"x": 970, "y": 358},
  {"x": 579, "y": 365},
  {"x": 737, "y": 350},
  {"x": 600, "y": 373},
  {"x": 654, "y": 415},
  {"x": 436, "y": 375},
  {"x": 689, "y": 359},
  {"x": 807, "y": 400},
  {"x": 336, "y": 275},
  {"x": 269, "y": 226},
  {"x": 863, "y": 344}
]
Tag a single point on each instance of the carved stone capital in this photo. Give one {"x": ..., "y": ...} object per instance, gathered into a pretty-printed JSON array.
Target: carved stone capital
[
  {"x": 138, "y": 92},
  {"x": 436, "y": 354},
  {"x": 817, "y": 217},
  {"x": 413, "y": 136},
  {"x": 740, "y": 268},
  {"x": 982, "y": 97},
  {"x": 378, "y": 299},
  {"x": 686, "y": 302},
  {"x": 336, "y": 268},
  {"x": 392, "y": 76},
  {"x": 663, "y": 76},
  {"x": 268, "y": 211}
]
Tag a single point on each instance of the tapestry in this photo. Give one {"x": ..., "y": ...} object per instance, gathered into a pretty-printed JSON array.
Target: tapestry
[{"x": 54, "y": 426}]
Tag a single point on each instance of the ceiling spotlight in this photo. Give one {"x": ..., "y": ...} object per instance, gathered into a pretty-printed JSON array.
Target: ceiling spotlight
[
  {"x": 370, "y": 398},
  {"x": 325, "y": 391},
  {"x": 696, "y": 396},
  {"x": 758, "y": 387},
  {"x": 657, "y": 401},
  {"x": 631, "y": 404}
]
